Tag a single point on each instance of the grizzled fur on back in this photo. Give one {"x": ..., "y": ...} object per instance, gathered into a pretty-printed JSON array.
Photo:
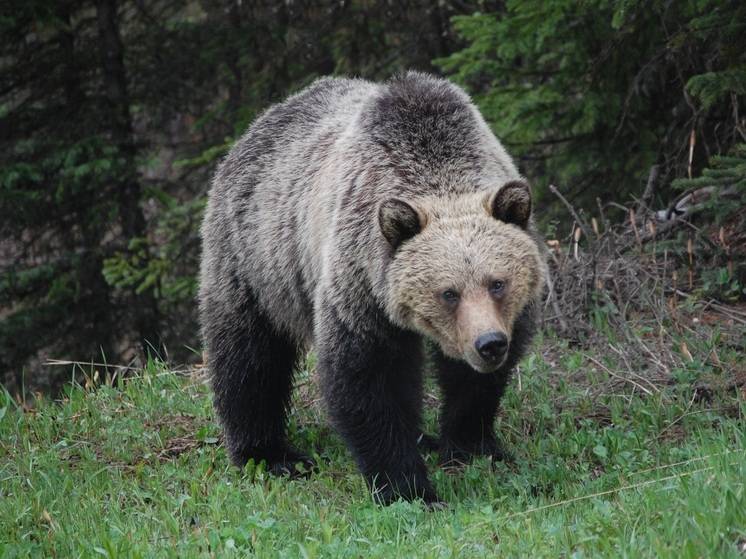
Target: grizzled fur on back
[{"x": 295, "y": 253}]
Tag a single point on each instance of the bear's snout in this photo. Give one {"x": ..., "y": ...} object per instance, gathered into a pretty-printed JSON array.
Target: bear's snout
[{"x": 492, "y": 346}]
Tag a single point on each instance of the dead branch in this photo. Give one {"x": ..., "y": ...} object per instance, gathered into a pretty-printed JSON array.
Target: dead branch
[
  {"x": 647, "y": 195},
  {"x": 581, "y": 223}
]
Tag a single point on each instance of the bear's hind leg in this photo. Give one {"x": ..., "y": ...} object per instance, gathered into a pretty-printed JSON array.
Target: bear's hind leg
[
  {"x": 252, "y": 371},
  {"x": 470, "y": 402}
]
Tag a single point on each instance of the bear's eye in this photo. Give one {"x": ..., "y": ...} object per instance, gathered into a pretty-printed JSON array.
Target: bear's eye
[
  {"x": 450, "y": 296},
  {"x": 497, "y": 288}
]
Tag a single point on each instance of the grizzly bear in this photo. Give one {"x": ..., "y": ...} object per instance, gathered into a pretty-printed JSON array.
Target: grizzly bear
[{"x": 364, "y": 219}]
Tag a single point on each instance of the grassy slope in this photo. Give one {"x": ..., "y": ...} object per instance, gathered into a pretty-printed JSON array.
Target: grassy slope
[{"x": 136, "y": 470}]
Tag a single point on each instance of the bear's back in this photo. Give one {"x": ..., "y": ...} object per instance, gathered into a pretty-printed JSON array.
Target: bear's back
[
  {"x": 274, "y": 132},
  {"x": 256, "y": 223}
]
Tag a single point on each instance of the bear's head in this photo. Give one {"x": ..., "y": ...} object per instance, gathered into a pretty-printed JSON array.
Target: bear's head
[{"x": 462, "y": 269}]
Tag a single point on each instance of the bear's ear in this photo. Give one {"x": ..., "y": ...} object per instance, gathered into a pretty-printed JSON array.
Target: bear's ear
[
  {"x": 512, "y": 203},
  {"x": 399, "y": 221}
]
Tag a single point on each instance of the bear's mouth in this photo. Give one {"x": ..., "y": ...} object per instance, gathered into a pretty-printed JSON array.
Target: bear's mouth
[{"x": 482, "y": 366}]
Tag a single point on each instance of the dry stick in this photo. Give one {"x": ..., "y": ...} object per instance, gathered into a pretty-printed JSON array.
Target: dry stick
[
  {"x": 733, "y": 314},
  {"x": 607, "y": 228},
  {"x": 581, "y": 224},
  {"x": 651, "y": 229},
  {"x": 625, "y": 209},
  {"x": 632, "y": 222},
  {"x": 726, "y": 248},
  {"x": 654, "y": 358},
  {"x": 686, "y": 223},
  {"x": 576, "y": 240},
  {"x": 690, "y": 251},
  {"x": 733, "y": 310},
  {"x": 63, "y": 362},
  {"x": 665, "y": 227},
  {"x": 692, "y": 141},
  {"x": 665, "y": 271},
  {"x": 572, "y": 211},
  {"x": 682, "y": 416},
  {"x": 615, "y": 375},
  {"x": 688, "y": 461},
  {"x": 615, "y": 283},
  {"x": 555, "y": 304},
  {"x": 81, "y": 364},
  {"x": 609, "y": 492},
  {"x": 647, "y": 195},
  {"x": 612, "y": 246},
  {"x": 626, "y": 362}
]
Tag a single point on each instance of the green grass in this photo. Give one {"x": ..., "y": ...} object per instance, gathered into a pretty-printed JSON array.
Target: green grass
[{"x": 136, "y": 470}]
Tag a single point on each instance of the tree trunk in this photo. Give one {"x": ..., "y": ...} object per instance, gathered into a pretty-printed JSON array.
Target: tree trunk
[
  {"x": 144, "y": 306},
  {"x": 96, "y": 308},
  {"x": 233, "y": 60}
]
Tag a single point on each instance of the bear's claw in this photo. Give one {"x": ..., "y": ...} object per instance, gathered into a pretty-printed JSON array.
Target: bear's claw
[
  {"x": 408, "y": 487},
  {"x": 280, "y": 462},
  {"x": 455, "y": 454},
  {"x": 293, "y": 466}
]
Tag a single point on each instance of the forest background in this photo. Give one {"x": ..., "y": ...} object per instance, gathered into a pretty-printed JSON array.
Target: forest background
[{"x": 114, "y": 114}]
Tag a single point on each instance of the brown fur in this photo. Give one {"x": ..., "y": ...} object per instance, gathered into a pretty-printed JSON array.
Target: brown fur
[
  {"x": 338, "y": 220},
  {"x": 462, "y": 247}
]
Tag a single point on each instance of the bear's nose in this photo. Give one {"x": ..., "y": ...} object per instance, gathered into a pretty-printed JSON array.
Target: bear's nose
[{"x": 492, "y": 345}]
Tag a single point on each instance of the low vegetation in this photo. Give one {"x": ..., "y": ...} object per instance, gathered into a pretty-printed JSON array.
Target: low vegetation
[{"x": 134, "y": 467}]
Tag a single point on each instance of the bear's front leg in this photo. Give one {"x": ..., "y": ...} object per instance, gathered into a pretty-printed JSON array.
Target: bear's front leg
[
  {"x": 372, "y": 384},
  {"x": 470, "y": 402}
]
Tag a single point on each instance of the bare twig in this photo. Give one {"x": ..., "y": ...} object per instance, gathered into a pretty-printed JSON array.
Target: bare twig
[
  {"x": 608, "y": 492},
  {"x": 618, "y": 376},
  {"x": 647, "y": 195},
  {"x": 81, "y": 364},
  {"x": 552, "y": 297},
  {"x": 581, "y": 223}
]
